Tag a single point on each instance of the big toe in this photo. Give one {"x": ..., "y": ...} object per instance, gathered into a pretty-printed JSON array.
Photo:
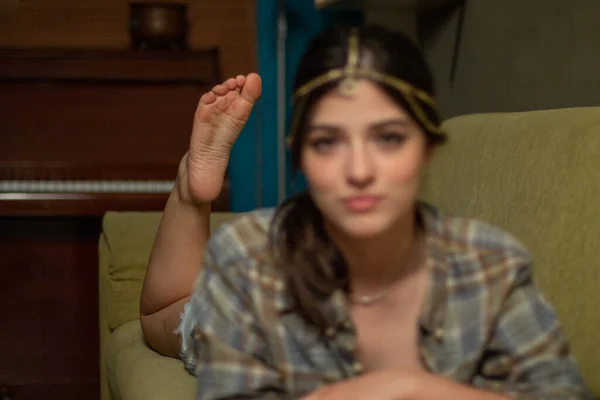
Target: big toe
[{"x": 252, "y": 88}]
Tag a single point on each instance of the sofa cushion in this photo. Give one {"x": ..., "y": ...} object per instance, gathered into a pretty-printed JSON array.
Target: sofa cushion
[
  {"x": 129, "y": 237},
  {"x": 135, "y": 372},
  {"x": 537, "y": 175}
]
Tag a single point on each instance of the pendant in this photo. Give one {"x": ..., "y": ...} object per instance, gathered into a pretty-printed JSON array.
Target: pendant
[
  {"x": 368, "y": 300},
  {"x": 348, "y": 87}
]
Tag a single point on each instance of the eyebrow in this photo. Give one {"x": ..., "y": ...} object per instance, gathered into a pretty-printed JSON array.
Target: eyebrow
[
  {"x": 385, "y": 123},
  {"x": 376, "y": 126},
  {"x": 324, "y": 127}
]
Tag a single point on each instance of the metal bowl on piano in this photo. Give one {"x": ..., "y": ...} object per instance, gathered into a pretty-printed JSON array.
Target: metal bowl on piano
[{"x": 161, "y": 26}]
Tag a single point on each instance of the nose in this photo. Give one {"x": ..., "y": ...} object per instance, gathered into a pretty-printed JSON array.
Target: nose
[{"x": 360, "y": 168}]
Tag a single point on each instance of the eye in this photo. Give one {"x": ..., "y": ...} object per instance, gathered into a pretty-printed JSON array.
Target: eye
[
  {"x": 391, "y": 139},
  {"x": 323, "y": 144}
]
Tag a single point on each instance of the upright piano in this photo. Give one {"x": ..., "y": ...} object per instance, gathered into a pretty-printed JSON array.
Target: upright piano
[{"x": 81, "y": 132}]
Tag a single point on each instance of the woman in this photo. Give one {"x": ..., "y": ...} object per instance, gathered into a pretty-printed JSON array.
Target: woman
[{"x": 354, "y": 289}]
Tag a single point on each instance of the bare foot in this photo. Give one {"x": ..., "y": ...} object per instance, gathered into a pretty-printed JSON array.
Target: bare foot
[{"x": 219, "y": 119}]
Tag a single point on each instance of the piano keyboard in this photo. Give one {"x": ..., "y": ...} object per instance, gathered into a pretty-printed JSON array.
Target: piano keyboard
[{"x": 115, "y": 186}]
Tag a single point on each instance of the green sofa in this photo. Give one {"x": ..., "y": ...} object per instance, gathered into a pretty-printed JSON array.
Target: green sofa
[{"x": 536, "y": 174}]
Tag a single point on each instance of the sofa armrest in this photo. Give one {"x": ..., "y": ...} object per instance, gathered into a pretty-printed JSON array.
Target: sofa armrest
[{"x": 136, "y": 372}]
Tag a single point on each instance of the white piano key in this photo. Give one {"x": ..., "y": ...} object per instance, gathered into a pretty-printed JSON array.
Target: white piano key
[{"x": 121, "y": 186}]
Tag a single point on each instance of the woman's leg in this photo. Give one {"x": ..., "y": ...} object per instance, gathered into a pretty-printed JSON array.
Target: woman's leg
[{"x": 178, "y": 249}]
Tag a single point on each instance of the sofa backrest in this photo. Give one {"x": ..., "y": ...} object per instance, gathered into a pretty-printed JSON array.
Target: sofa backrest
[{"x": 537, "y": 175}]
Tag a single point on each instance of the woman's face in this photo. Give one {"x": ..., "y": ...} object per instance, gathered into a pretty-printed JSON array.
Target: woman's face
[{"x": 363, "y": 157}]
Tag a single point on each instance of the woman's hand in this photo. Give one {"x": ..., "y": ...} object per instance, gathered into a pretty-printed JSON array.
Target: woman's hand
[
  {"x": 382, "y": 385},
  {"x": 402, "y": 385}
]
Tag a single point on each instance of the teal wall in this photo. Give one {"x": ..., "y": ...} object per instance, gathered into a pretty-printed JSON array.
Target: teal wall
[{"x": 253, "y": 167}]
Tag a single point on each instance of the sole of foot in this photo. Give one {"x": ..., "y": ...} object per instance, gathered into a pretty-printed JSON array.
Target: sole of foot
[{"x": 219, "y": 120}]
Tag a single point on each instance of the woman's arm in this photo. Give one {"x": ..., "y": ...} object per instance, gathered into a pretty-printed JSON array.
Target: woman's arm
[
  {"x": 437, "y": 388},
  {"x": 527, "y": 358},
  {"x": 401, "y": 385},
  {"x": 528, "y": 355},
  {"x": 177, "y": 254},
  {"x": 175, "y": 261},
  {"x": 228, "y": 346}
]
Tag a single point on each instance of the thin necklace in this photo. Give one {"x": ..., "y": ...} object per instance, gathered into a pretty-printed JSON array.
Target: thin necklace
[{"x": 367, "y": 300}]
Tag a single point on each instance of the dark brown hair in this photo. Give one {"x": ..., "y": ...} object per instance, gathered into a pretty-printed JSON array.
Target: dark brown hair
[{"x": 313, "y": 267}]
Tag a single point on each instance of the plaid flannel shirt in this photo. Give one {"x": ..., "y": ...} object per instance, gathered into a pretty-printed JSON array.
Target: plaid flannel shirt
[{"x": 483, "y": 322}]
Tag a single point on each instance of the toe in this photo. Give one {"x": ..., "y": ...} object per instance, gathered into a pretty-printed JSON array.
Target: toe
[
  {"x": 231, "y": 84},
  {"x": 220, "y": 90},
  {"x": 240, "y": 79},
  {"x": 208, "y": 98},
  {"x": 252, "y": 88}
]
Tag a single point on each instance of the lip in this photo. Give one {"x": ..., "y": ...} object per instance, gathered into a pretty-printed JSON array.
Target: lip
[{"x": 361, "y": 203}]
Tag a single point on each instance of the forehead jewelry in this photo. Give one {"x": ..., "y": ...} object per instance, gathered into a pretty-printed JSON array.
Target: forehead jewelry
[
  {"x": 350, "y": 82},
  {"x": 348, "y": 77}
]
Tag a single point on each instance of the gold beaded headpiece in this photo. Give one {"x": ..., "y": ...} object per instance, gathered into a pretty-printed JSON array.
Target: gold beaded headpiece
[{"x": 350, "y": 74}]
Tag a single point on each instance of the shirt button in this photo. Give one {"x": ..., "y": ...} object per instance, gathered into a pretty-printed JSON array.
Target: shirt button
[
  {"x": 198, "y": 335},
  {"x": 279, "y": 285},
  {"x": 266, "y": 280},
  {"x": 329, "y": 332},
  {"x": 439, "y": 334},
  {"x": 358, "y": 367}
]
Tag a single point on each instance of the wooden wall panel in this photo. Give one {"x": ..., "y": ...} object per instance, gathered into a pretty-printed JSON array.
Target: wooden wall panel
[{"x": 228, "y": 24}]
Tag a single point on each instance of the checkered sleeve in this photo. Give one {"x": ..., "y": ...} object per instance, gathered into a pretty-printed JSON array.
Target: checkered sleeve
[
  {"x": 528, "y": 356},
  {"x": 227, "y": 349}
]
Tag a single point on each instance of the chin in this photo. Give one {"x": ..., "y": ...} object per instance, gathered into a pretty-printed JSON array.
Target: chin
[{"x": 364, "y": 226}]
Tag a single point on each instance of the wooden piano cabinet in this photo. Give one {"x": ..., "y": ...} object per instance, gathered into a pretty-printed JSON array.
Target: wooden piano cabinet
[
  {"x": 48, "y": 307},
  {"x": 97, "y": 115},
  {"x": 49, "y": 292},
  {"x": 100, "y": 118}
]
